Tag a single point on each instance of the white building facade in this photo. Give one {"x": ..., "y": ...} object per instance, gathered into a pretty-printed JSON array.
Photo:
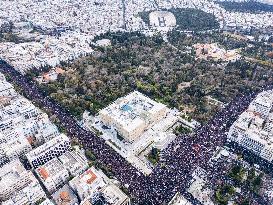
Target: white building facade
[
  {"x": 132, "y": 114},
  {"x": 253, "y": 130},
  {"x": 51, "y": 149}
]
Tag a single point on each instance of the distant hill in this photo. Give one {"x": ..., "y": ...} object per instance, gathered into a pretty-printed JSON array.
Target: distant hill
[{"x": 247, "y": 5}]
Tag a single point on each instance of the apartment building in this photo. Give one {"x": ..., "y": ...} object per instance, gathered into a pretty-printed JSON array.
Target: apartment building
[
  {"x": 75, "y": 162},
  {"x": 18, "y": 186},
  {"x": 49, "y": 150},
  {"x": 52, "y": 174},
  {"x": 93, "y": 185}
]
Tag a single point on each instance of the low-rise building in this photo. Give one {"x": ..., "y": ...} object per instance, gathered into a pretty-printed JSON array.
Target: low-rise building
[
  {"x": 94, "y": 185},
  {"x": 15, "y": 148},
  {"x": 31, "y": 194},
  {"x": 75, "y": 162},
  {"x": 47, "y": 202},
  {"x": 52, "y": 174},
  {"x": 178, "y": 199},
  {"x": 65, "y": 196},
  {"x": 18, "y": 186}
]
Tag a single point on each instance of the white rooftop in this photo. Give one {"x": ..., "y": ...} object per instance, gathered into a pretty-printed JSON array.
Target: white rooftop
[
  {"x": 74, "y": 162},
  {"x": 47, "y": 146},
  {"x": 11, "y": 171},
  {"x": 132, "y": 110},
  {"x": 47, "y": 202},
  {"x": 50, "y": 169}
]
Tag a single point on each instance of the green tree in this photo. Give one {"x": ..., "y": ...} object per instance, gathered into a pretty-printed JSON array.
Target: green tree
[
  {"x": 237, "y": 173},
  {"x": 90, "y": 156}
]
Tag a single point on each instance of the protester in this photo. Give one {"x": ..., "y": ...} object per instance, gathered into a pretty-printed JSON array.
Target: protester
[{"x": 178, "y": 161}]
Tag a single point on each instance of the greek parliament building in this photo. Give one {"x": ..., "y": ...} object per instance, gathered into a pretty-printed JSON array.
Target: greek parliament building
[
  {"x": 53, "y": 148},
  {"x": 253, "y": 129},
  {"x": 132, "y": 115}
]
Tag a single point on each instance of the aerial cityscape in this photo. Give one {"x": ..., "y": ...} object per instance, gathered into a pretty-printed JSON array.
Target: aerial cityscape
[{"x": 136, "y": 102}]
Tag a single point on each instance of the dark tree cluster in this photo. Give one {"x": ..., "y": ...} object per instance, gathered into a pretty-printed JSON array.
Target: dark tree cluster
[
  {"x": 246, "y": 6},
  {"x": 152, "y": 66},
  {"x": 188, "y": 19}
]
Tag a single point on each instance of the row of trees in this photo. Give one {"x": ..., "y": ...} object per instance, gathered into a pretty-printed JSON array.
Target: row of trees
[
  {"x": 227, "y": 192},
  {"x": 224, "y": 193},
  {"x": 247, "y": 179}
]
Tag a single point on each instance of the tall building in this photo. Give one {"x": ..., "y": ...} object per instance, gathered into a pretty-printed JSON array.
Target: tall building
[
  {"x": 31, "y": 194},
  {"x": 51, "y": 149},
  {"x": 21, "y": 124},
  {"x": 13, "y": 144},
  {"x": 87, "y": 183}
]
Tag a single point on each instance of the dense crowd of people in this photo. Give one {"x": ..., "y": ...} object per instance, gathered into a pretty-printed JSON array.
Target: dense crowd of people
[{"x": 179, "y": 159}]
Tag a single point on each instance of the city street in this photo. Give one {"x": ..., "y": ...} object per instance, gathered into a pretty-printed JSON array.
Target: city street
[{"x": 180, "y": 158}]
